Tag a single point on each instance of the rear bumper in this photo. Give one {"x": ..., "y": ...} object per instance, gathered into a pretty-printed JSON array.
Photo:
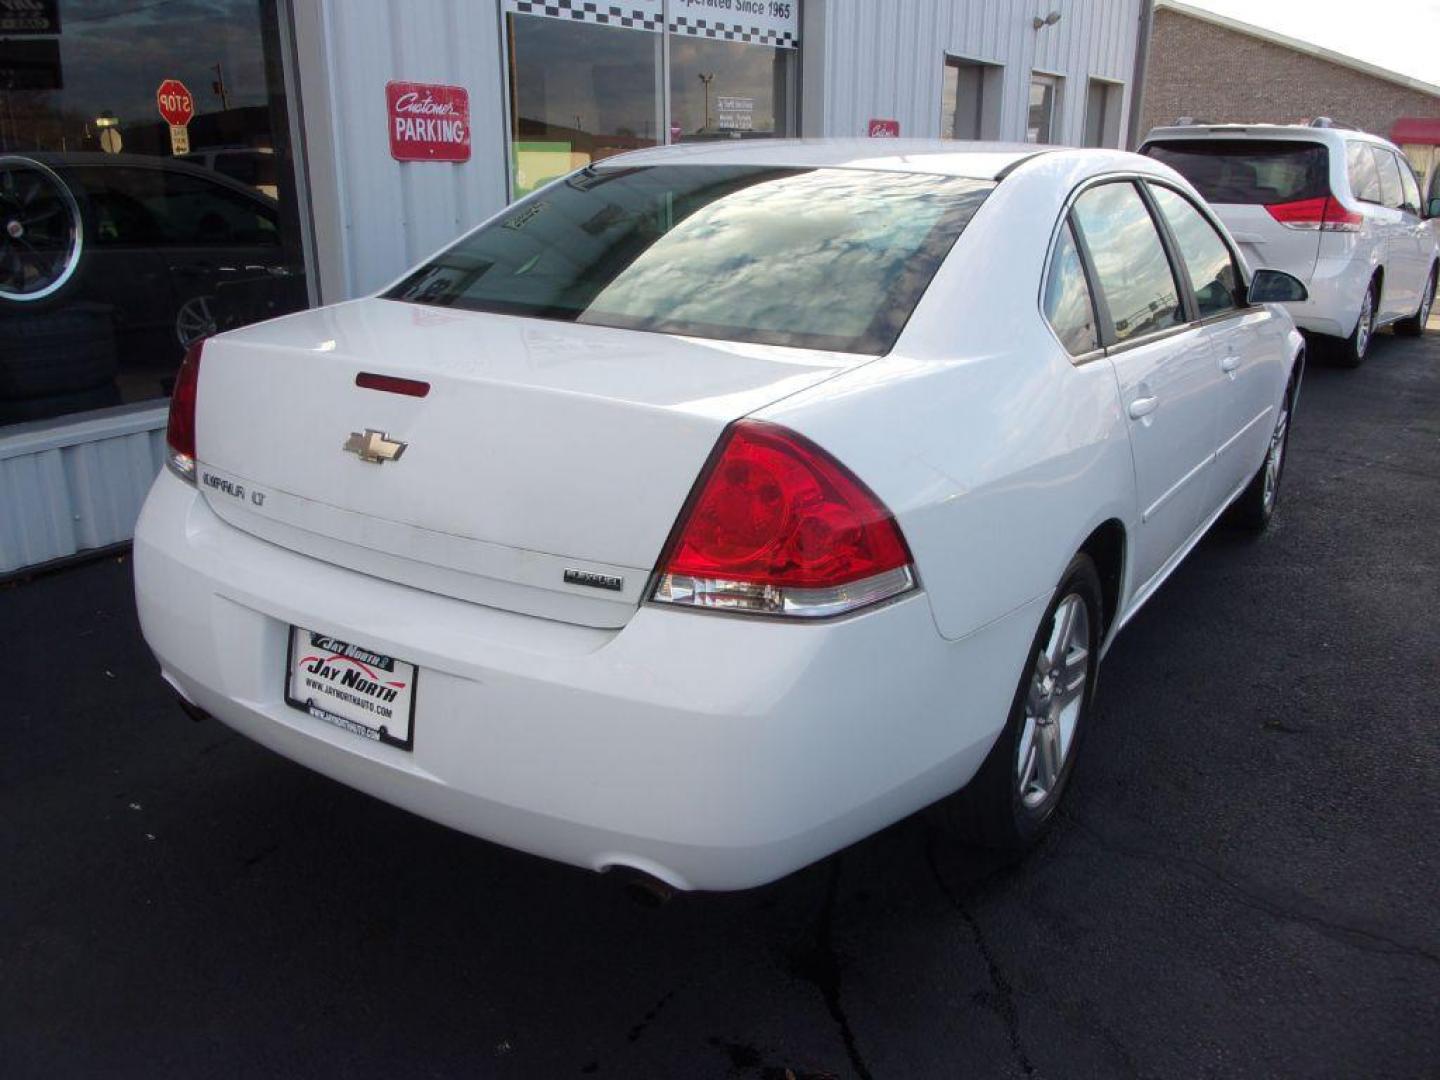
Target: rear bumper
[
  {"x": 1337, "y": 287},
  {"x": 710, "y": 751}
]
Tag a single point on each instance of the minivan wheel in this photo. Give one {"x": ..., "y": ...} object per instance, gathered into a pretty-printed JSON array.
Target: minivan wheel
[
  {"x": 1011, "y": 801},
  {"x": 1353, "y": 349},
  {"x": 1415, "y": 325}
]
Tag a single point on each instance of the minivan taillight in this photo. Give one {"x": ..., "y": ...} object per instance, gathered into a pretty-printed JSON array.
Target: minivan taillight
[
  {"x": 776, "y": 526},
  {"x": 180, "y": 431},
  {"x": 1324, "y": 212}
]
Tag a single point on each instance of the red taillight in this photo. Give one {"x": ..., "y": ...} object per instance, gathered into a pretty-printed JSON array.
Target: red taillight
[
  {"x": 776, "y": 525},
  {"x": 1323, "y": 212},
  {"x": 180, "y": 432}
]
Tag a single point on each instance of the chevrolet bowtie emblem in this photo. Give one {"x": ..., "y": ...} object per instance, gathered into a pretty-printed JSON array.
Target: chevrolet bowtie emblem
[{"x": 374, "y": 446}]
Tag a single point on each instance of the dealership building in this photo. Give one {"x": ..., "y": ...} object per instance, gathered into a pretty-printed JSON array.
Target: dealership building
[{"x": 170, "y": 170}]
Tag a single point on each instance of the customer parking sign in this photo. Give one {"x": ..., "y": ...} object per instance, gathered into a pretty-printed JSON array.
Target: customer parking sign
[{"x": 428, "y": 122}]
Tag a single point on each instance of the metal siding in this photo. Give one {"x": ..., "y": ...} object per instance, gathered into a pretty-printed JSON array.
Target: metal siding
[
  {"x": 393, "y": 213},
  {"x": 885, "y": 58},
  {"x": 76, "y": 486}
]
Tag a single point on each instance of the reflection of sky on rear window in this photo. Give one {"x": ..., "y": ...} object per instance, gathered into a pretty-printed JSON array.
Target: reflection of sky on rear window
[
  {"x": 115, "y": 53},
  {"x": 811, "y": 253}
]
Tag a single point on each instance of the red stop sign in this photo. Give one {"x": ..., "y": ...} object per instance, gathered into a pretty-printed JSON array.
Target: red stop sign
[{"x": 176, "y": 104}]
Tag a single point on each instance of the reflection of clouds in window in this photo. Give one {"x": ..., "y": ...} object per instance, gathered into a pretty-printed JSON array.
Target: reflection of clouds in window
[
  {"x": 573, "y": 78},
  {"x": 739, "y": 70},
  {"x": 820, "y": 258},
  {"x": 1067, "y": 298},
  {"x": 114, "y": 53},
  {"x": 1212, "y": 272},
  {"x": 1133, "y": 271},
  {"x": 804, "y": 253}
]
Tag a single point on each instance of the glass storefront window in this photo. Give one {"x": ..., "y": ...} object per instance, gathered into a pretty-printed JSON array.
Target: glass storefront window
[
  {"x": 579, "y": 92},
  {"x": 589, "y": 81},
  {"x": 728, "y": 90},
  {"x": 123, "y": 240}
]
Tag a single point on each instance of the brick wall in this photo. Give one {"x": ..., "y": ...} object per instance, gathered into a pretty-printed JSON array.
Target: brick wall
[{"x": 1206, "y": 71}]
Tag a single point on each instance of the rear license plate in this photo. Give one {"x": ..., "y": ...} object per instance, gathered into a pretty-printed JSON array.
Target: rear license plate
[{"x": 365, "y": 692}]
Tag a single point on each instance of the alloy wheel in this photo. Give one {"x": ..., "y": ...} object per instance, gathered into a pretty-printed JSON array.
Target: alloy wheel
[
  {"x": 1275, "y": 459},
  {"x": 1053, "y": 702},
  {"x": 195, "y": 321},
  {"x": 1426, "y": 302},
  {"x": 40, "y": 232},
  {"x": 1365, "y": 328}
]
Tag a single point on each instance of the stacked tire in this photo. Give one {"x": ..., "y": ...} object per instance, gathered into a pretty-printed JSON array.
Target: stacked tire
[
  {"x": 56, "y": 362},
  {"x": 57, "y": 352}
]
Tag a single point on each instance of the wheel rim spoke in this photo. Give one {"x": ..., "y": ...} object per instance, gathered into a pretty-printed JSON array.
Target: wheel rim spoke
[
  {"x": 1053, "y": 701},
  {"x": 1048, "y": 753}
]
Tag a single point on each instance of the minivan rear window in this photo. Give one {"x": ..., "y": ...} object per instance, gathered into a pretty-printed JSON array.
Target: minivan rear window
[
  {"x": 1250, "y": 171},
  {"x": 816, "y": 258}
]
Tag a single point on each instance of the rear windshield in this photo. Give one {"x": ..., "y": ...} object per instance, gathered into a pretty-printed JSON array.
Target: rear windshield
[
  {"x": 1246, "y": 170},
  {"x": 817, "y": 258}
]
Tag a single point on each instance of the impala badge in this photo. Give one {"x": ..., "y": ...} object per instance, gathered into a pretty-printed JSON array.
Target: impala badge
[{"x": 374, "y": 446}]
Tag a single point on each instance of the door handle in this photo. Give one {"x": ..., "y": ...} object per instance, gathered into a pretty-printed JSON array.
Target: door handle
[
  {"x": 1143, "y": 406},
  {"x": 1230, "y": 362}
]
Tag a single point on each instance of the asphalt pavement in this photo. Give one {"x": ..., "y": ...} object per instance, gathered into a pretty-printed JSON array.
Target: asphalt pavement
[{"x": 1245, "y": 880}]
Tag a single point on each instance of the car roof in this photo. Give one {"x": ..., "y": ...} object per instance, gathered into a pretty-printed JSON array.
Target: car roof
[
  {"x": 1298, "y": 132},
  {"x": 57, "y": 159},
  {"x": 975, "y": 160}
]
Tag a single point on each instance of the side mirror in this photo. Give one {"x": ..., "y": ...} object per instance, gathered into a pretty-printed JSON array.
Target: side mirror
[
  {"x": 1276, "y": 287},
  {"x": 1432, "y": 208}
]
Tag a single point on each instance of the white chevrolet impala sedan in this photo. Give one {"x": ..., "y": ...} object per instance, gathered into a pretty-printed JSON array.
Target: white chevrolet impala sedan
[{"x": 712, "y": 508}]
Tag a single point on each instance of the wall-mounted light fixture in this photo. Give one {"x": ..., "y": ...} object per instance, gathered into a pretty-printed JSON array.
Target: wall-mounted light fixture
[{"x": 1048, "y": 20}]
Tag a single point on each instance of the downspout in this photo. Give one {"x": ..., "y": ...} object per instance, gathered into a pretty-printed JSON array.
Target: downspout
[{"x": 1142, "y": 61}]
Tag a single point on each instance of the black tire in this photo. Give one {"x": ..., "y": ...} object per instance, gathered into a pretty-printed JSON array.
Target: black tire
[
  {"x": 1252, "y": 511},
  {"x": 1351, "y": 351},
  {"x": 56, "y": 352},
  {"x": 1414, "y": 326},
  {"x": 992, "y": 810}
]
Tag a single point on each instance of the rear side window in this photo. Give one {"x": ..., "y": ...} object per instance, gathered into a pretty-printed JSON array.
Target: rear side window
[
  {"x": 1249, "y": 171},
  {"x": 1389, "y": 170},
  {"x": 1364, "y": 176},
  {"x": 1067, "y": 298},
  {"x": 815, "y": 258},
  {"x": 1212, "y": 268},
  {"x": 1131, "y": 268}
]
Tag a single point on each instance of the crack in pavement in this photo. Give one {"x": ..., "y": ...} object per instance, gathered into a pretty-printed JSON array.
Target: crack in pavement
[
  {"x": 633, "y": 1035},
  {"x": 820, "y": 966},
  {"x": 1368, "y": 940},
  {"x": 1006, "y": 1007}
]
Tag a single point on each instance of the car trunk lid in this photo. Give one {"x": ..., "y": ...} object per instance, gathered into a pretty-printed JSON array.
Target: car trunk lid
[{"x": 541, "y": 472}]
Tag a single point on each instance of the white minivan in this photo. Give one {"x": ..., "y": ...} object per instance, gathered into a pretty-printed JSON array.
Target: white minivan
[{"x": 1339, "y": 209}]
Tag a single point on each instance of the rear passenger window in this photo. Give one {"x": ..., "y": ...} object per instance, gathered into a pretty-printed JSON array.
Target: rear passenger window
[
  {"x": 1212, "y": 269},
  {"x": 1131, "y": 269},
  {"x": 1390, "y": 194},
  {"x": 1364, "y": 176},
  {"x": 1067, "y": 298}
]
